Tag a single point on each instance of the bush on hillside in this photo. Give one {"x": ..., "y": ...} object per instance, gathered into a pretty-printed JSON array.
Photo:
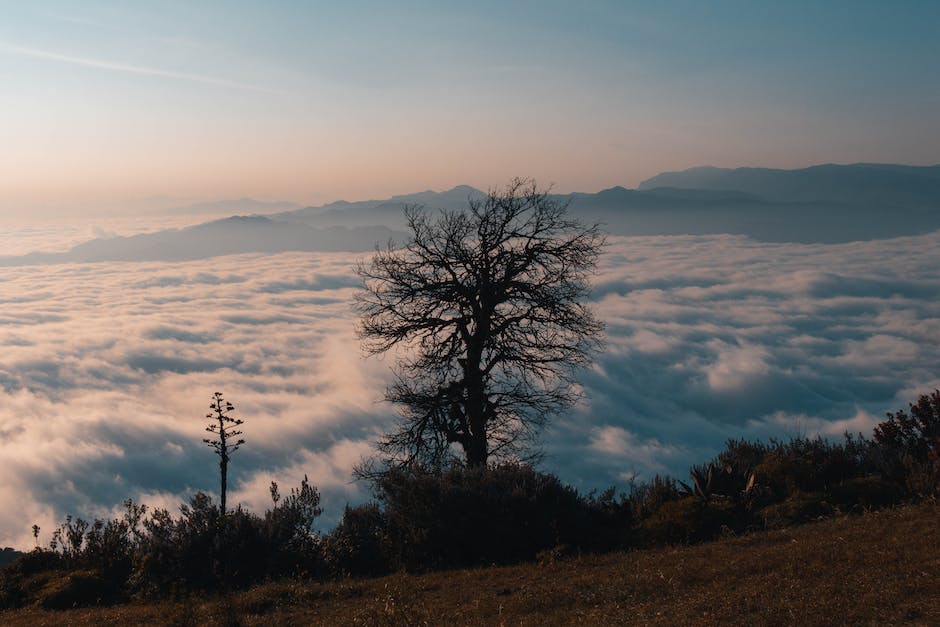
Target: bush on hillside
[
  {"x": 689, "y": 520},
  {"x": 908, "y": 446},
  {"x": 143, "y": 552},
  {"x": 359, "y": 544},
  {"x": 78, "y": 588},
  {"x": 427, "y": 519},
  {"x": 201, "y": 550},
  {"x": 21, "y": 580},
  {"x": 916, "y": 434},
  {"x": 471, "y": 516},
  {"x": 646, "y": 498},
  {"x": 865, "y": 493},
  {"x": 796, "y": 509}
]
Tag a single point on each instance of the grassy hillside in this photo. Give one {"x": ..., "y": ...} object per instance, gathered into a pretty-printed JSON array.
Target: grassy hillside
[{"x": 875, "y": 569}]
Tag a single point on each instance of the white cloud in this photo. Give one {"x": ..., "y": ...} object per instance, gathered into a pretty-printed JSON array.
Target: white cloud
[
  {"x": 735, "y": 365},
  {"x": 106, "y": 369}
]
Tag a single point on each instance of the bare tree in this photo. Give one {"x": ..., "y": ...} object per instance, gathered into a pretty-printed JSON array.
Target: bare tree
[
  {"x": 484, "y": 309},
  {"x": 225, "y": 428}
]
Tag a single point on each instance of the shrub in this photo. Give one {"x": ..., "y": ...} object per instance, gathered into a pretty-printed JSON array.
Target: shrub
[
  {"x": 471, "y": 516},
  {"x": 803, "y": 465},
  {"x": 203, "y": 549},
  {"x": 922, "y": 479},
  {"x": 36, "y": 561},
  {"x": 740, "y": 457},
  {"x": 865, "y": 493},
  {"x": 782, "y": 474},
  {"x": 647, "y": 498},
  {"x": 359, "y": 544},
  {"x": 917, "y": 433},
  {"x": 293, "y": 547},
  {"x": 24, "y": 577},
  {"x": 9, "y": 555},
  {"x": 689, "y": 520},
  {"x": 610, "y": 518},
  {"x": 79, "y": 588},
  {"x": 796, "y": 509},
  {"x": 156, "y": 553},
  {"x": 908, "y": 446},
  {"x": 182, "y": 553}
]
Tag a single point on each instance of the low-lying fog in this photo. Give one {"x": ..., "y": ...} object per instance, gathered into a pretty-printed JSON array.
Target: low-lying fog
[{"x": 107, "y": 368}]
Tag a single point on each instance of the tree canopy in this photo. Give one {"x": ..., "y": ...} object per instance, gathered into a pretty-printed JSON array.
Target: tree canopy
[{"x": 484, "y": 310}]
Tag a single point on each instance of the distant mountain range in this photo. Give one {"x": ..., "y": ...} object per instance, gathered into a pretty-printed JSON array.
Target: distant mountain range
[
  {"x": 386, "y": 212},
  {"x": 229, "y": 236},
  {"x": 884, "y": 186},
  {"x": 233, "y": 206},
  {"x": 825, "y": 203}
]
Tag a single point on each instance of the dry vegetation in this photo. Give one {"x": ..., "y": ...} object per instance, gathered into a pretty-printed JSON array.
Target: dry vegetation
[{"x": 880, "y": 568}]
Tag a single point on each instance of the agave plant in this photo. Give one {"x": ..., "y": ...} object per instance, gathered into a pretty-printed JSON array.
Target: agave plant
[{"x": 711, "y": 483}]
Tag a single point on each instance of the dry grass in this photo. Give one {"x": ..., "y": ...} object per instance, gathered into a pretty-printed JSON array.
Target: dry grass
[{"x": 880, "y": 569}]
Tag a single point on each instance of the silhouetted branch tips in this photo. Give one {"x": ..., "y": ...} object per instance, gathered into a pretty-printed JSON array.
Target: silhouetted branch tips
[{"x": 275, "y": 493}]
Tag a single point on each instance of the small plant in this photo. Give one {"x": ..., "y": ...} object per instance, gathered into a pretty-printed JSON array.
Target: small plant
[
  {"x": 701, "y": 487},
  {"x": 711, "y": 482},
  {"x": 226, "y": 430}
]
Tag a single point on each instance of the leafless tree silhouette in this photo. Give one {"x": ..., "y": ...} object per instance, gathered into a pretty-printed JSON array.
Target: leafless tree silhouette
[
  {"x": 225, "y": 428},
  {"x": 485, "y": 307}
]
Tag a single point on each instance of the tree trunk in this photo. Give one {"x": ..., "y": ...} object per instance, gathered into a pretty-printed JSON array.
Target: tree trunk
[
  {"x": 476, "y": 449},
  {"x": 223, "y": 467},
  {"x": 475, "y": 445}
]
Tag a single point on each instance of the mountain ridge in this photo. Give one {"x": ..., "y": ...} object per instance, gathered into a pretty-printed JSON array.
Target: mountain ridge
[
  {"x": 225, "y": 236},
  {"x": 864, "y": 184},
  {"x": 828, "y": 203}
]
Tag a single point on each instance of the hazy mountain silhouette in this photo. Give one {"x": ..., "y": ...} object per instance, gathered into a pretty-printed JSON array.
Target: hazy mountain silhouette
[
  {"x": 239, "y": 206},
  {"x": 238, "y": 234},
  {"x": 680, "y": 209},
  {"x": 687, "y": 211},
  {"x": 860, "y": 184},
  {"x": 826, "y": 203},
  {"x": 607, "y": 202},
  {"x": 387, "y": 212}
]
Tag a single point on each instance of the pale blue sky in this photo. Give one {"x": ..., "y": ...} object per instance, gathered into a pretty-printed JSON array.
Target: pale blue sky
[{"x": 134, "y": 104}]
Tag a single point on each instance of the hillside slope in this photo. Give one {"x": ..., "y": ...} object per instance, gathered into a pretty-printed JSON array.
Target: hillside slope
[{"x": 880, "y": 568}]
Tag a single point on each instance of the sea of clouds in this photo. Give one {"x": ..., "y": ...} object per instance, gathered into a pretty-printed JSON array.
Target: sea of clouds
[{"x": 107, "y": 369}]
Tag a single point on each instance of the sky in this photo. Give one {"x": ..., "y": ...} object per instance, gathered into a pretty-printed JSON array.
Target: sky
[
  {"x": 122, "y": 107},
  {"x": 114, "y": 110},
  {"x": 111, "y": 111}
]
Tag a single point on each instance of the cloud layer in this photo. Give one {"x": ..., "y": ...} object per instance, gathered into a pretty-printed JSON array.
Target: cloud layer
[{"x": 107, "y": 369}]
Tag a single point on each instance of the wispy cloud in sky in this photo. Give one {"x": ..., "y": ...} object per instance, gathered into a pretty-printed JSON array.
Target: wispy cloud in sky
[
  {"x": 71, "y": 19},
  {"x": 128, "y": 68}
]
